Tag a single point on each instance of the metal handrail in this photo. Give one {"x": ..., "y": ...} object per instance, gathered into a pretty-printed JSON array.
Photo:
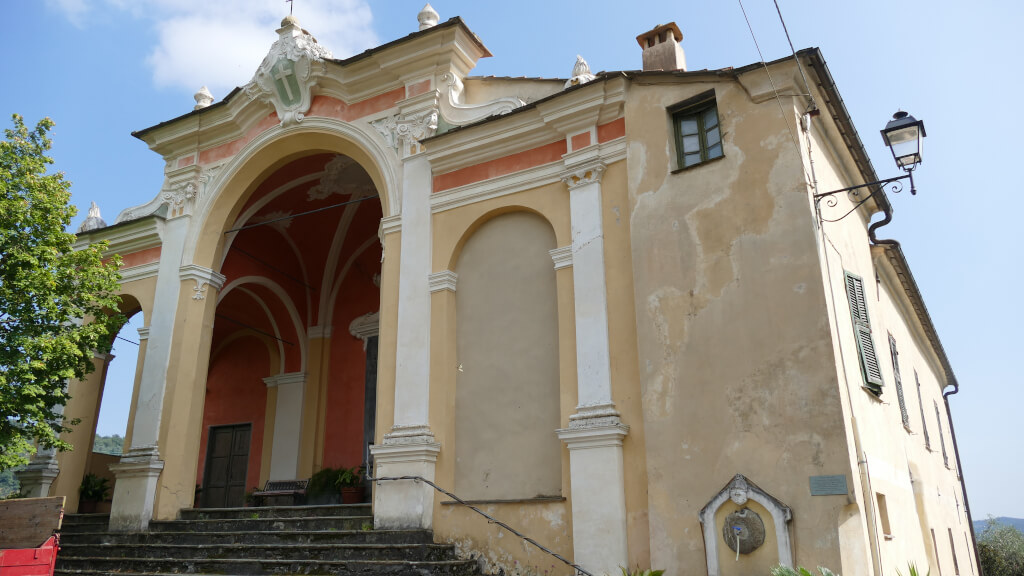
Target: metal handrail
[{"x": 490, "y": 519}]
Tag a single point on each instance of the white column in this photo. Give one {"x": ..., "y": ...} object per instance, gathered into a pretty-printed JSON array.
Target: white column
[
  {"x": 409, "y": 449},
  {"x": 140, "y": 466},
  {"x": 284, "y": 451},
  {"x": 595, "y": 433}
]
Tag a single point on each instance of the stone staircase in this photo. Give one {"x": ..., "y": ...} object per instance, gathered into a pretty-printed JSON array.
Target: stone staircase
[{"x": 335, "y": 539}]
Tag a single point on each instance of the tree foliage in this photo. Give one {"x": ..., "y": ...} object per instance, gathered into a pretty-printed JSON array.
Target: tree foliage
[
  {"x": 1001, "y": 550},
  {"x": 47, "y": 288},
  {"x": 108, "y": 444}
]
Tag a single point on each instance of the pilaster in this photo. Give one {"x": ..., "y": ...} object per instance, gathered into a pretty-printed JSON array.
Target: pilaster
[
  {"x": 36, "y": 478},
  {"x": 135, "y": 489},
  {"x": 595, "y": 432}
]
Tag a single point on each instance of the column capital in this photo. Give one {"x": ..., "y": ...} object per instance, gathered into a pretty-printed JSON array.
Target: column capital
[
  {"x": 588, "y": 173},
  {"x": 144, "y": 333},
  {"x": 203, "y": 277}
]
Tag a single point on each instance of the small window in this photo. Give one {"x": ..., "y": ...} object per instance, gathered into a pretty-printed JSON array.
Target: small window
[
  {"x": 883, "y": 515},
  {"x": 697, "y": 130}
]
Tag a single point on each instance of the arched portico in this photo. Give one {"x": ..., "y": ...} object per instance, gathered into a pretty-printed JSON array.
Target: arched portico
[{"x": 288, "y": 293}]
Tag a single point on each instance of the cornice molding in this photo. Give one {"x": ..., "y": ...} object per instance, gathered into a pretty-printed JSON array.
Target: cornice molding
[
  {"x": 443, "y": 280},
  {"x": 285, "y": 379},
  {"x": 140, "y": 272},
  {"x": 562, "y": 257}
]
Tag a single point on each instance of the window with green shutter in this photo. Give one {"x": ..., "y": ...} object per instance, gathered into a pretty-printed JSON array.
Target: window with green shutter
[
  {"x": 942, "y": 439},
  {"x": 898, "y": 381},
  {"x": 920, "y": 403},
  {"x": 862, "y": 331}
]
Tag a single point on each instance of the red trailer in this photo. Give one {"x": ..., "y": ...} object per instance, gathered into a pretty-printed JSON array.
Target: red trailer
[{"x": 29, "y": 535}]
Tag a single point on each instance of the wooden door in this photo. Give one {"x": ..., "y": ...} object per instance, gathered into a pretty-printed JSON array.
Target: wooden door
[{"x": 227, "y": 462}]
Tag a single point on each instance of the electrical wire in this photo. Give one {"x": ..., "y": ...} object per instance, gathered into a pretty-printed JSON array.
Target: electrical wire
[
  {"x": 775, "y": 90},
  {"x": 799, "y": 66}
]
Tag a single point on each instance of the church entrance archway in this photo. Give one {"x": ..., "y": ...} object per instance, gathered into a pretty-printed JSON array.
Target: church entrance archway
[{"x": 294, "y": 334}]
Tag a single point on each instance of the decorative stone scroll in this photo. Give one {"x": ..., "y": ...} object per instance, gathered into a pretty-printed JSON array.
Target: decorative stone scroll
[
  {"x": 744, "y": 523},
  {"x": 580, "y": 73},
  {"x": 459, "y": 114},
  {"x": 583, "y": 175}
]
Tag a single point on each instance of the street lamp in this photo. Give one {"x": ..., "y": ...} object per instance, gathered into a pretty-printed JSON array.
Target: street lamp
[{"x": 903, "y": 136}]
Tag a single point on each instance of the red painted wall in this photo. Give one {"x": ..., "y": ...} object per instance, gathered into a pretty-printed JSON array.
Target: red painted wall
[{"x": 236, "y": 394}]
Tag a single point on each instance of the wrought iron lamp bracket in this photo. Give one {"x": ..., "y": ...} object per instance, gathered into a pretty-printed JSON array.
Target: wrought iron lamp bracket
[{"x": 895, "y": 186}]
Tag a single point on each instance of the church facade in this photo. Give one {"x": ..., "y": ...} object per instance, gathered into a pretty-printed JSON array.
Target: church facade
[{"x": 607, "y": 309}]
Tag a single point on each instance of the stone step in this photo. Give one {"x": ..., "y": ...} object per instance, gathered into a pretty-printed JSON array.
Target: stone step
[
  {"x": 74, "y": 565},
  {"x": 275, "y": 512},
  {"x": 313, "y": 552},
  {"x": 266, "y": 538},
  {"x": 266, "y": 524}
]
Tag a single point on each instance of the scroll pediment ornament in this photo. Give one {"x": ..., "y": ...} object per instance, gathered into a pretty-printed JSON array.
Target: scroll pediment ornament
[
  {"x": 459, "y": 114},
  {"x": 404, "y": 132},
  {"x": 283, "y": 78}
]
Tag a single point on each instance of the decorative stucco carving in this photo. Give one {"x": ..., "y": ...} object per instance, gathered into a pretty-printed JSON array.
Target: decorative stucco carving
[
  {"x": 580, "y": 73},
  {"x": 203, "y": 278},
  {"x": 455, "y": 112},
  {"x": 287, "y": 74},
  {"x": 180, "y": 198},
  {"x": 583, "y": 175},
  {"x": 365, "y": 327},
  {"x": 93, "y": 221},
  {"x": 404, "y": 132},
  {"x": 741, "y": 490},
  {"x": 203, "y": 98}
]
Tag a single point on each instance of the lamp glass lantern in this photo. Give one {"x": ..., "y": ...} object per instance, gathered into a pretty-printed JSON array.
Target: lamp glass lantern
[{"x": 903, "y": 136}]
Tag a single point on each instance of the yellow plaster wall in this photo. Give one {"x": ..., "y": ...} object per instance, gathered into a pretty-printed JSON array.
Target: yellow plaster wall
[
  {"x": 735, "y": 359},
  {"x": 548, "y": 522}
]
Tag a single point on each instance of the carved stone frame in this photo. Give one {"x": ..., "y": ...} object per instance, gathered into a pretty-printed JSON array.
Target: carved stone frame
[{"x": 739, "y": 490}]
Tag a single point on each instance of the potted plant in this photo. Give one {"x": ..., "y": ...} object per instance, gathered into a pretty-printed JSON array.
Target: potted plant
[
  {"x": 93, "y": 490},
  {"x": 350, "y": 482}
]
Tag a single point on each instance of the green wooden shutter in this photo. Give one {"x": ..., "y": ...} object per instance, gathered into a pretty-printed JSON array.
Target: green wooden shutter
[
  {"x": 898, "y": 381},
  {"x": 942, "y": 439},
  {"x": 862, "y": 328},
  {"x": 920, "y": 403}
]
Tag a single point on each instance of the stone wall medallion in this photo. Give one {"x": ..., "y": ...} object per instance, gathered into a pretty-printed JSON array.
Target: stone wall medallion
[{"x": 744, "y": 529}]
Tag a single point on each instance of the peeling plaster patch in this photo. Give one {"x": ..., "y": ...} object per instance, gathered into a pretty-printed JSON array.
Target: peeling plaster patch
[
  {"x": 800, "y": 288},
  {"x": 637, "y": 154},
  {"x": 666, "y": 309},
  {"x": 618, "y": 214}
]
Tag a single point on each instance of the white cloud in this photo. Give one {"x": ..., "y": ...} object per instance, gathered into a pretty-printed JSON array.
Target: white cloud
[{"x": 219, "y": 44}]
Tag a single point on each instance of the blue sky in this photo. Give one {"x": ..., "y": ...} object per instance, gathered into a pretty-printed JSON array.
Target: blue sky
[{"x": 103, "y": 68}]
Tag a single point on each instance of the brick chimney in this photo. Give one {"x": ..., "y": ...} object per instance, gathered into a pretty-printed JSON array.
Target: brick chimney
[{"x": 661, "y": 48}]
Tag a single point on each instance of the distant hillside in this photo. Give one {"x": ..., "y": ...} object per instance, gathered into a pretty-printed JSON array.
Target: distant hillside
[
  {"x": 8, "y": 484},
  {"x": 1017, "y": 523},
  {"x": 108, "y": 444}
]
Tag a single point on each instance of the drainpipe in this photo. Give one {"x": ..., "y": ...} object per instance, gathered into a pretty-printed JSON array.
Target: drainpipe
[{"x": 960, "y": 472}]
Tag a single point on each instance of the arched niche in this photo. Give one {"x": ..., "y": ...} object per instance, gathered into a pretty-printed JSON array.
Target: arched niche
[
  {"x": 739, "y": 491},
  {"x": 507, "y": 384}
]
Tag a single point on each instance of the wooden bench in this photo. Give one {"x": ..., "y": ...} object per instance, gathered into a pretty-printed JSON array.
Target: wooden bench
[
  {"x": 29, "y": 537},
  {"x": 292, "y": 490}
]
